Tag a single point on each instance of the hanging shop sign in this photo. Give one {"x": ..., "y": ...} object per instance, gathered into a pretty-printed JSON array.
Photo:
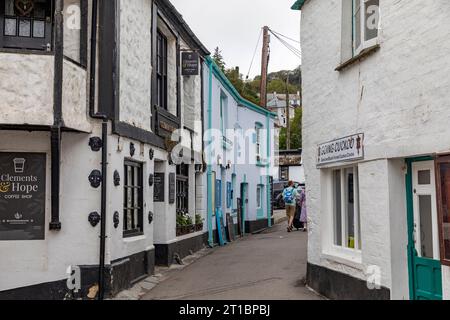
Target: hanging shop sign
[
  {"x": 349, "y": 148},
  {"x": 189, "y": 64},
  {"x": 22, "y": 196}
]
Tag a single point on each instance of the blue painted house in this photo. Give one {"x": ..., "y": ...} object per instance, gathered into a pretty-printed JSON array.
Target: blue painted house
[{"x": 239, "y": 148}]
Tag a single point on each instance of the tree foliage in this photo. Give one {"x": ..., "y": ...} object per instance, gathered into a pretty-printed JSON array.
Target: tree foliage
[
  {"x": 218, "y": 59},
  {"x": 296, "y": 132}
]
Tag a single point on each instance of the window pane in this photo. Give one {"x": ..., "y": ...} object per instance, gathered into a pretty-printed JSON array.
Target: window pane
[
  {"x": 445, "y": 198},
  {"x": 24, "y": 28},
  {"x": 372, "y": 16},
  {"x": 350, "y": 209},
  {"x": 426, "y": 226},
  {"x": 10, "y": 27},
  {"x": 9, "y": 7},
  {"x": 38, "y": 29},
  {"x": 424, "y": 177},
  {"x": 357, "y": 24},
  {"x": 337, "y": 209}
]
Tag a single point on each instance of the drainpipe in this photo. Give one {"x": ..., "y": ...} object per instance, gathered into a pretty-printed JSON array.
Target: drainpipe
[
  {"x": 209, "y": 175},
  {"x": 95, "y": 115},
  {"x": 55, "y": 132},
  {"x": 101, "y": 272}
]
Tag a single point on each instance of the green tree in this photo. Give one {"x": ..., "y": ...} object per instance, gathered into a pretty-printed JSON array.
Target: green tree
[
  {"x": 296, "y": 132},
  {"x": 279, "y": 86},
  {"x": 218, "y": 59},
  {"x": 245, "y": 89}
]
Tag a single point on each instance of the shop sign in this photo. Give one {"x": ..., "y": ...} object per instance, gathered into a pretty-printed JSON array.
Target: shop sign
[
  {"x": 22, "y": 196},
  {"x": 189, "y": 64},
  {"x": 349, "y": 148},
  {"x": 158, "y": 189}
]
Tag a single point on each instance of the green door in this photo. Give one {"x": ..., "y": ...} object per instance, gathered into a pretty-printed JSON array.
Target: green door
[{"x": 425, "y": 272}]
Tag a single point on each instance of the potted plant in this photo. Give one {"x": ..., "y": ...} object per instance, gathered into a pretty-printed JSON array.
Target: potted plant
[
  {"x": 198, "y": 222},
  {"x": 181, "y": 223}
]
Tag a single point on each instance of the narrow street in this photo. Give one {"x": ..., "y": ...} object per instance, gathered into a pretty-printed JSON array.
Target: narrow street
[{"x": 270, "y": 265}]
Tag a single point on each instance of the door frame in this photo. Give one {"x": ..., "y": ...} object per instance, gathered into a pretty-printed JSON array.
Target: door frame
[
  {"x": 244, "y": 202},
  {"x": 410, "y": 220}
]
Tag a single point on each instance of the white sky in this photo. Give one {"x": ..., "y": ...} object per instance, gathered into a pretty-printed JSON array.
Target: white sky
[{"x": 234, "y": 26}]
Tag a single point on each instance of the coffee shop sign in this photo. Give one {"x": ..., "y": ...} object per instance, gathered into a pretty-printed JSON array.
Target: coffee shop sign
[{"x": 344, "y": 149}]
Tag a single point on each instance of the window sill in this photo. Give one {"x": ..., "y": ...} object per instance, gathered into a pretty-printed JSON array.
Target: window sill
[
  {"x": 134, "y": 237},
  {"x": 359, "y": 57},
  {"x": 26, "y": 51},
  {"x": 348, "y": 257}
]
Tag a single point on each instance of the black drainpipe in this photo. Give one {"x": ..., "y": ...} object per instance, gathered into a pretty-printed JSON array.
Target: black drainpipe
[
  {"x": 55, "y": 132},
  {"x": 95, "y": 115}
]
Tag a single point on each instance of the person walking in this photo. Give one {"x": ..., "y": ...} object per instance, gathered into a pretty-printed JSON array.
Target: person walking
[
  {"x": 301, "y": 197},
  {"x": 289, "y": 195}
]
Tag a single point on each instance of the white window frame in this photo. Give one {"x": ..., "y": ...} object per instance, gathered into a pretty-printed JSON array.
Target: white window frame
[
  {"x": 259, "y": 196},
  {"x": 344, "y": 211},
  {"x": 258, "y": 141},
  {"x": 365, "y": 44}
]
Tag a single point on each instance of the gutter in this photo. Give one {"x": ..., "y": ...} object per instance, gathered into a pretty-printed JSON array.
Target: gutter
[{"x": 55, "y": 131}]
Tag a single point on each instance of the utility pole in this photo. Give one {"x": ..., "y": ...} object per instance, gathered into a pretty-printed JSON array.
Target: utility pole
[
  {"x": 265, "y": 66},
  {"x": 288, "y": 115}
]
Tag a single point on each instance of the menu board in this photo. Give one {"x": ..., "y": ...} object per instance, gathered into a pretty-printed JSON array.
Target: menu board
[
  {"x": 158, "y": 189},
  {"x": 22, "y": 196}
]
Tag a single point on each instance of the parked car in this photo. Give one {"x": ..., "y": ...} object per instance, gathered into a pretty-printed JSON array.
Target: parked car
[{"x": 278, "y": 187}]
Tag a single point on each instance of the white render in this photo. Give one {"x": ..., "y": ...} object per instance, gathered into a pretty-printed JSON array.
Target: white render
[
  {"x": 135, "y": 62},
  {"x": 398, "y": 97},
  {"x": 26, "y": 98}
]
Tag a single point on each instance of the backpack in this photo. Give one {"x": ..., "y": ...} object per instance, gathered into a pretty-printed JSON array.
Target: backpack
[{"x": 289, "y": 195}]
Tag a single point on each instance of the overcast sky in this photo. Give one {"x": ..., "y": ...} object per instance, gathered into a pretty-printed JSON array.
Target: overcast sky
[{"x": 234, "y": 26}]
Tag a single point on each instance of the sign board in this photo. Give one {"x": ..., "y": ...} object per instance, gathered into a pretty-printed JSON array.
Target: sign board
[
  {"x": 218, "y": 193},
  {"x": 344, "y": 149},
  {"x": 172, "y": 187},
  {"x": 22, "y": 196},
  {"x": 158, "y": 190},
  {"x": 230, "y": 228},
  {"x": 190, "y": 64}
]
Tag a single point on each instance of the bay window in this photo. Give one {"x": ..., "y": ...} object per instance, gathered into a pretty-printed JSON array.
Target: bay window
[
  {"x": 346, "y": 213},
  {"x": 26, "y": 24}
]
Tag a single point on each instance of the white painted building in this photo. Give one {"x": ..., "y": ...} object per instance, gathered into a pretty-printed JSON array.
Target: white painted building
[
  {"x": 239, "y": 149},
  {"x": 85, "y": 148},
  {"x": 376, "y": 72}
]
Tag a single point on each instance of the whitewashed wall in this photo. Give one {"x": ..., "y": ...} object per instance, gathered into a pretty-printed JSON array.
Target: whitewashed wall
[
  {"x": 26, "y": 89},
  {"x": 398, "y": 97},
  {"x": 135, "y": 63}
]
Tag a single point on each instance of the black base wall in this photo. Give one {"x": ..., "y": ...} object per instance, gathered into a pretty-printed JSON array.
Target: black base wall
[
  {"x": 120, "y": 275},
  {"x": 164, "y": 253},
  {"x": 254, "y": 226},
  {"x": 339, "y": 286}
]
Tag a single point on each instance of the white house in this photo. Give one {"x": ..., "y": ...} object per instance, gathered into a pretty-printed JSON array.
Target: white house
[
  {"x": 89, "y": 186},
  {"x": 376, "y": 145},
  {"x": 239, "y": 149}
]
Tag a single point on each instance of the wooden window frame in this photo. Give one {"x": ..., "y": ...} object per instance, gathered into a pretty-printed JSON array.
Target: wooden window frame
[
  {"x": 182, "y": 183},
  {"x": 139, "y": 227},
  {"x": 28, "y": 43},
  {"x": 441, "y": 159},
  {"x": 161, "y": 70}
]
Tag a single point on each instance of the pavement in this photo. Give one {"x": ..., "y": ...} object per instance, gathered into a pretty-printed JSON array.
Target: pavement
[{"x": 270, "y": 265}]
